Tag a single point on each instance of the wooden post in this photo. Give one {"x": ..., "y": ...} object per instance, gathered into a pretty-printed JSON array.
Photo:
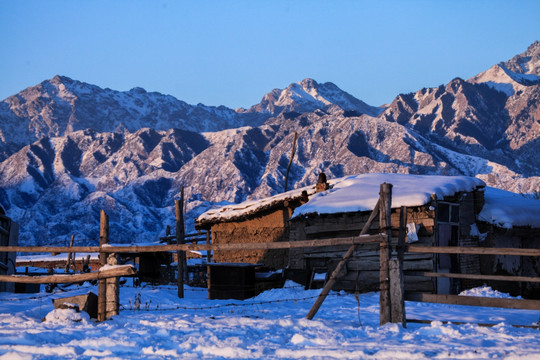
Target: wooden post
[
  {"x": 208, "y": 252},
  {"x": 179, "y": 214},
  {"x": 397, "y": 298},
  {"x": 402, "y": 234},
  {"x": 113, "y": 291},
  {"x": 293, "y": 151},
  {"x": 397, "y": 283},
  {"x": 385, "y": 214},
  {"x": 71, "y": 256},
  {"x": 208, "y": 260},
  {"x": 168, "y": 234},
  {"x": 102, "y": 287},
  {"x": 337, "y": 271}
]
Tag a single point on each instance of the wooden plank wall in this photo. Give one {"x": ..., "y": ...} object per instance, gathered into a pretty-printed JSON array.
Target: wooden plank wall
[{"x": 362, "y": 270}]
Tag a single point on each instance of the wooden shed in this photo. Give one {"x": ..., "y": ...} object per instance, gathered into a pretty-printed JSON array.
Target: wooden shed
[
  {"x": 9, "y": 235},
  {"x": 510, "y": 220},
  {"x": 440, "y": 212}
]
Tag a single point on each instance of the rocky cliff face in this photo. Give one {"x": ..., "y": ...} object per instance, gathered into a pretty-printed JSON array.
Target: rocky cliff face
[
  {"x": 82, "y": 148},
  {"x": 60, "y": 106}
]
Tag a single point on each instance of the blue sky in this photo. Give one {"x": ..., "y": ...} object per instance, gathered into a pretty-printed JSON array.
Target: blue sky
[{"x": 233, "y": 52}]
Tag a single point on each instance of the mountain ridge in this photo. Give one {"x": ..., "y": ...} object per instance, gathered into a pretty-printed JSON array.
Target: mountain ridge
[{"x": 56, "y": 184}]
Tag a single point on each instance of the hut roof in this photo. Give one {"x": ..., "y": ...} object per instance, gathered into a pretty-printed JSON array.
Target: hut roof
[
  {"x": 507, "y": 209},
  {"x": 349, "y": 194},
  {"x": 361, "y": 192},
  {"x": 236, "y": 212}
]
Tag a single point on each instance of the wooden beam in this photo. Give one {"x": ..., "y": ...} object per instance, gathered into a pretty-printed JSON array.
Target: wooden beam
[
  {"x": 50, "y": 249},
  {"x": 475, "y": 301},
  {"x": 69, "y": 256},
  {"x": 385, "y": 214},
  {"x": 365, "y": 239},
  {"x": 208, "y": 253},
  {"x": 397, "y": 292},
  {"x": 337, "y": 271},
  {"x": 117, "y": 271},
  {"x": 102, "y": 285},
  {"x": 355, "y": 240},
  {"x": 180, "y": 255},
  {"x": 481, "y": 277},
  {"x": 418, "y": 321},
  {"x": 293, "y": 151},
  {"x": 472, "y": 250}
]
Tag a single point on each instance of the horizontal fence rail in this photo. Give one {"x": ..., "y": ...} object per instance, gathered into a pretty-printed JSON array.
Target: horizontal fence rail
[
  {"x": 353, "y": 240},
  {"x": 475, "y": 301},
  {"x": 472, "y": 250},
  {"x": 475, "y": 276},
  {"x": 120, "y": 270}
]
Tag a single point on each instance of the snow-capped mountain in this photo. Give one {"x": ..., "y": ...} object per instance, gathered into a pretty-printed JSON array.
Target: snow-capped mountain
[
  {"x": 495, "y": 115},
  {"x": 55, "y": 185},
  {"x": 515, "y": 74},
  {"x": 60, "y": 106},
  {"x": 307, "y": 96}
]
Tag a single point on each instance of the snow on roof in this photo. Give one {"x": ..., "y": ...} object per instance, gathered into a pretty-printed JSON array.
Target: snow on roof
[
  {"x": 507, "y": 209},
  {"x": 350, "y": 194},
  {"x": 237, "y": 211},
  {"x": 361, "y": 192}
]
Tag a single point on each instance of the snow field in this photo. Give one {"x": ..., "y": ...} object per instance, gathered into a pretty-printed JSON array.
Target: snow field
[{"x": 269, "y": 326}]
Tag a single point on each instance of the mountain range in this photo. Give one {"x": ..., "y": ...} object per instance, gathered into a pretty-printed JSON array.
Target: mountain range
[{"x": 69, "y": 149}]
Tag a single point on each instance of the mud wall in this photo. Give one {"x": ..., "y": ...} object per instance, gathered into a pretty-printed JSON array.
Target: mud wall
[{"x": 267, "y": 227}]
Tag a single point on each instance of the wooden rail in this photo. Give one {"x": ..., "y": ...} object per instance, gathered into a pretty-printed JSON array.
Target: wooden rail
[
  {"x": 476, "y": 276},
  {"x": 468, "y": 322},
  {"x": 352, "y": 240},
  {"x": 475, "y": 301},
  {"x": 472, "y": 250},
  {"x": 105, "y": 273}
]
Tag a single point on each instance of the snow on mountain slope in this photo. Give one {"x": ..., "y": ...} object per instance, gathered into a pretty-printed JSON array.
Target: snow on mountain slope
[
  {"x": 61, "y": 106},
  {"x": 495, "y": 115},
  {"x": 56, "y": 185},
  {"x": 307, "y": 96},
  {"x": 515, "y": 74}
]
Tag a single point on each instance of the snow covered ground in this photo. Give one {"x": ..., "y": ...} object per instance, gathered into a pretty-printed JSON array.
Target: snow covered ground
[{"x": 269, "y": 326}]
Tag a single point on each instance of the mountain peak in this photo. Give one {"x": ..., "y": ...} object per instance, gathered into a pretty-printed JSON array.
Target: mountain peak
[
  {"x": 533, "y": 49},
  {"x": 308, "y": 83},
  {"x": 526, "y": 63},
  {"x": 515, "y": 74},
  {"x": 308, "y": 95},
  {"x": 60, "y": 79}
]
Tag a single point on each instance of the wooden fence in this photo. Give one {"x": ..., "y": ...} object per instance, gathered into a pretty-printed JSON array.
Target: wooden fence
[
  {"x": 106, "y": 296},
  {"x": 473, "y": 300},
  {"x": 392, "y": 293}
]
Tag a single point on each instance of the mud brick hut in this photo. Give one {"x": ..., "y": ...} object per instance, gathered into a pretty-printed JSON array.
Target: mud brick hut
[
  {"x": 441, "y": 211},
  {"x": 266, "y": 220},
  {"x": 510, "y": 220}
]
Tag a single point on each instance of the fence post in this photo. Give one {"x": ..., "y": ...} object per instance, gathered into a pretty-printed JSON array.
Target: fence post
[
  {"x": 208, "y": 252},
  {"x": 396, "y": 292},
  {"x": 102, "y": 287},
  {"x": 397, "y": 279},
  {"x": 113, "y": 290},
  {"x": 385, "y": 214},
  {"x": 71, "y": 257},
  {"x": 181, "y": 257}
]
